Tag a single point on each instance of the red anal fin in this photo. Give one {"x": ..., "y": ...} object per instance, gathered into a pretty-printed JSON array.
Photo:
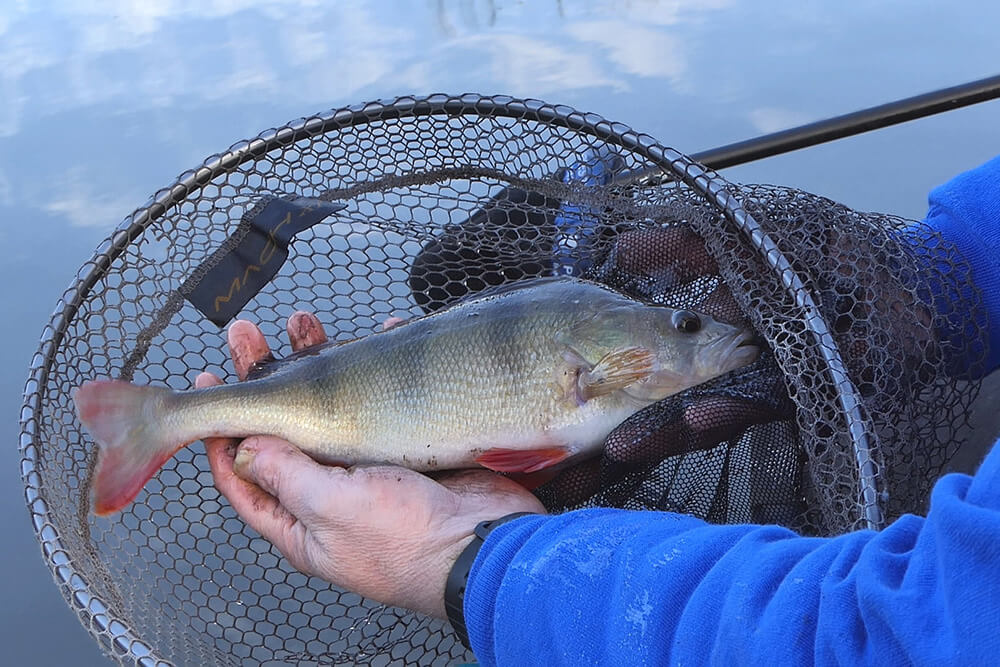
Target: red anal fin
[{"x": 521, "y": 460}]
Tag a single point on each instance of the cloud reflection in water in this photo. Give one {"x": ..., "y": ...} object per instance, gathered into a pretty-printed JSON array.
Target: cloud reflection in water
[{"x": 165, "y": 63}]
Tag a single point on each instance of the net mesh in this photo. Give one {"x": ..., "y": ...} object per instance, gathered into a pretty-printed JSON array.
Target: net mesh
[{"x": 844, "y": 423}]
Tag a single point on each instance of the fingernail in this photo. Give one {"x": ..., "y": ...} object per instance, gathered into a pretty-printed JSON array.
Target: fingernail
[
  {"x": 237, "y": 346},
  {"x": 299, "y": 325},
  {"x": 391, "y": 322},
  {"x": 305, "y": 330},
  {"x": 241, "y": 464},
  {"x": 205, "y": 379}
]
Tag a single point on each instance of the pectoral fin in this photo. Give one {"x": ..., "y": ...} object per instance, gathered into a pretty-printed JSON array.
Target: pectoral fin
[{"x": 614, "y": 372}]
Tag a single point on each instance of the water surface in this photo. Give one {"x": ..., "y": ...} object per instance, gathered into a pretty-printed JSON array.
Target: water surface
[{"x": 101, "y": 107}]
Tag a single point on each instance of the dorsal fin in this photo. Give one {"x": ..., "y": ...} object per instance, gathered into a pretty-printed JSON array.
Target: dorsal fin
[{"x": 517, "y": 285}]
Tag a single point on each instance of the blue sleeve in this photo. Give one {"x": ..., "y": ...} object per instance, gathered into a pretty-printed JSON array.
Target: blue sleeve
[
  {"x": 612, "y": 587},
  {"x": 617, "y": 587},
  {"x": 966, "y": 211}
]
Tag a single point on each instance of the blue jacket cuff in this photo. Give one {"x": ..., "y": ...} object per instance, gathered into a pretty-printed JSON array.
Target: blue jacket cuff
[{"x": 495, "y": 556}]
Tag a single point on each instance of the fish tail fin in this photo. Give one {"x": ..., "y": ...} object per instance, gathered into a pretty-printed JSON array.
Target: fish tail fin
[{"x": 131, "y": 448}]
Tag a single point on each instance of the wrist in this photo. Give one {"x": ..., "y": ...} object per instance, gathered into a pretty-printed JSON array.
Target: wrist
[
  {"x": 420, "y": 584},
  {"x": 438, "y": 604},
  {"x": 458, "y": 575}
]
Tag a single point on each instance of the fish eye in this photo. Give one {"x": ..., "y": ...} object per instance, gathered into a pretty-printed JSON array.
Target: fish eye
[{"x": 686, "y": 322}]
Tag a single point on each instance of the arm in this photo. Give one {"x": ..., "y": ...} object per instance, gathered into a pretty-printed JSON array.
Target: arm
[
  {"x": 632, "y": 588},
  {"x": 617, "y": 587}
]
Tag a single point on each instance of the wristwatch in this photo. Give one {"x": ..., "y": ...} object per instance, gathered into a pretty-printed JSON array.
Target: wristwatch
[{"x": 454, "y": 588}]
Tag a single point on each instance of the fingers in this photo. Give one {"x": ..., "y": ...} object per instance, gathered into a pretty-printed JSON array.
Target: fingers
[
  {"x": 572, "y": 486},
  {"x": 206, "y": 380},
  {"x": 391, "y": 322},
  {"x": 676, "y": 250},
  {"x": 291, "y": 481},
  {"x": 247, "y": 346},
  {"x": 257, "y": 507},
  {"x": 304, "y": 331},
  {"x": 220, "y": 453},
  {"x": 483, "y": 483},
  {"x": 230, "y": 463},
  {"x": 718, "y": 418}
]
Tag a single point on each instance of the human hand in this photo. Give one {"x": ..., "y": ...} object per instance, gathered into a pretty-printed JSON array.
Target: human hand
[{"x": 385, "y": 532}]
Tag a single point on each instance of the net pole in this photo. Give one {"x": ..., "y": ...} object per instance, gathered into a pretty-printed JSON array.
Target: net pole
[{"x": 838, "y": 127}]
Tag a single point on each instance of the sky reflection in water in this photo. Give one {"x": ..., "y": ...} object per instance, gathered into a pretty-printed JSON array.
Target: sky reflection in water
[{"x": 102, "y": 107}]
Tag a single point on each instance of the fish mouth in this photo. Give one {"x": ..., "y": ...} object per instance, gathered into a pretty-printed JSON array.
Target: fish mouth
[{"x": 740, "y": 350}]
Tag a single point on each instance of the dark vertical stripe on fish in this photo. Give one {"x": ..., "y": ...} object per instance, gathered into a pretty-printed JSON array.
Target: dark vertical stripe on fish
[
  {"x": 420, "y": 383},
  {"x": 503, "y": 339}
]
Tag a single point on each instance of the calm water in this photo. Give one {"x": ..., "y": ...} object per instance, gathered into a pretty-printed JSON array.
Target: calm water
[{"x": 101, "y": 108}]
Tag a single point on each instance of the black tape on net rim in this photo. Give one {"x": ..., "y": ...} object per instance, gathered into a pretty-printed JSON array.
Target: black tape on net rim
[{"x": 252, "y": 256}]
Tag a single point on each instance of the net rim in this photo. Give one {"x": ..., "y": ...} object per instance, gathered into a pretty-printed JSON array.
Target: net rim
[{"x": 114, "y": 634}]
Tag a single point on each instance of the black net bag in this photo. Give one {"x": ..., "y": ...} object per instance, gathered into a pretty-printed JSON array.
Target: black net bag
[{"x": 872, "y": 359}]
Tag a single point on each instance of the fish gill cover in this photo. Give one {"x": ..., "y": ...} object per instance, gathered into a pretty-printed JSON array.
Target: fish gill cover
[{"x": 844, "y": 423}]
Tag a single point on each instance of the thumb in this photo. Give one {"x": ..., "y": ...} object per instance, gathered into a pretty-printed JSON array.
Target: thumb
[{"x": 285, "y": 472}]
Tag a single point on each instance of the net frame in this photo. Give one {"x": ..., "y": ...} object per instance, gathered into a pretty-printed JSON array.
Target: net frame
[{"x": 114, "y": 634}]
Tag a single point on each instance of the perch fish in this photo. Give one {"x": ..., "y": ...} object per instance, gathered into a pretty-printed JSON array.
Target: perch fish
[{"x": 517, "y": 380}]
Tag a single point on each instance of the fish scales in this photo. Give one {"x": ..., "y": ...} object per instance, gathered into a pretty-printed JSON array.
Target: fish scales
[{"x": 476, "y": 383}]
